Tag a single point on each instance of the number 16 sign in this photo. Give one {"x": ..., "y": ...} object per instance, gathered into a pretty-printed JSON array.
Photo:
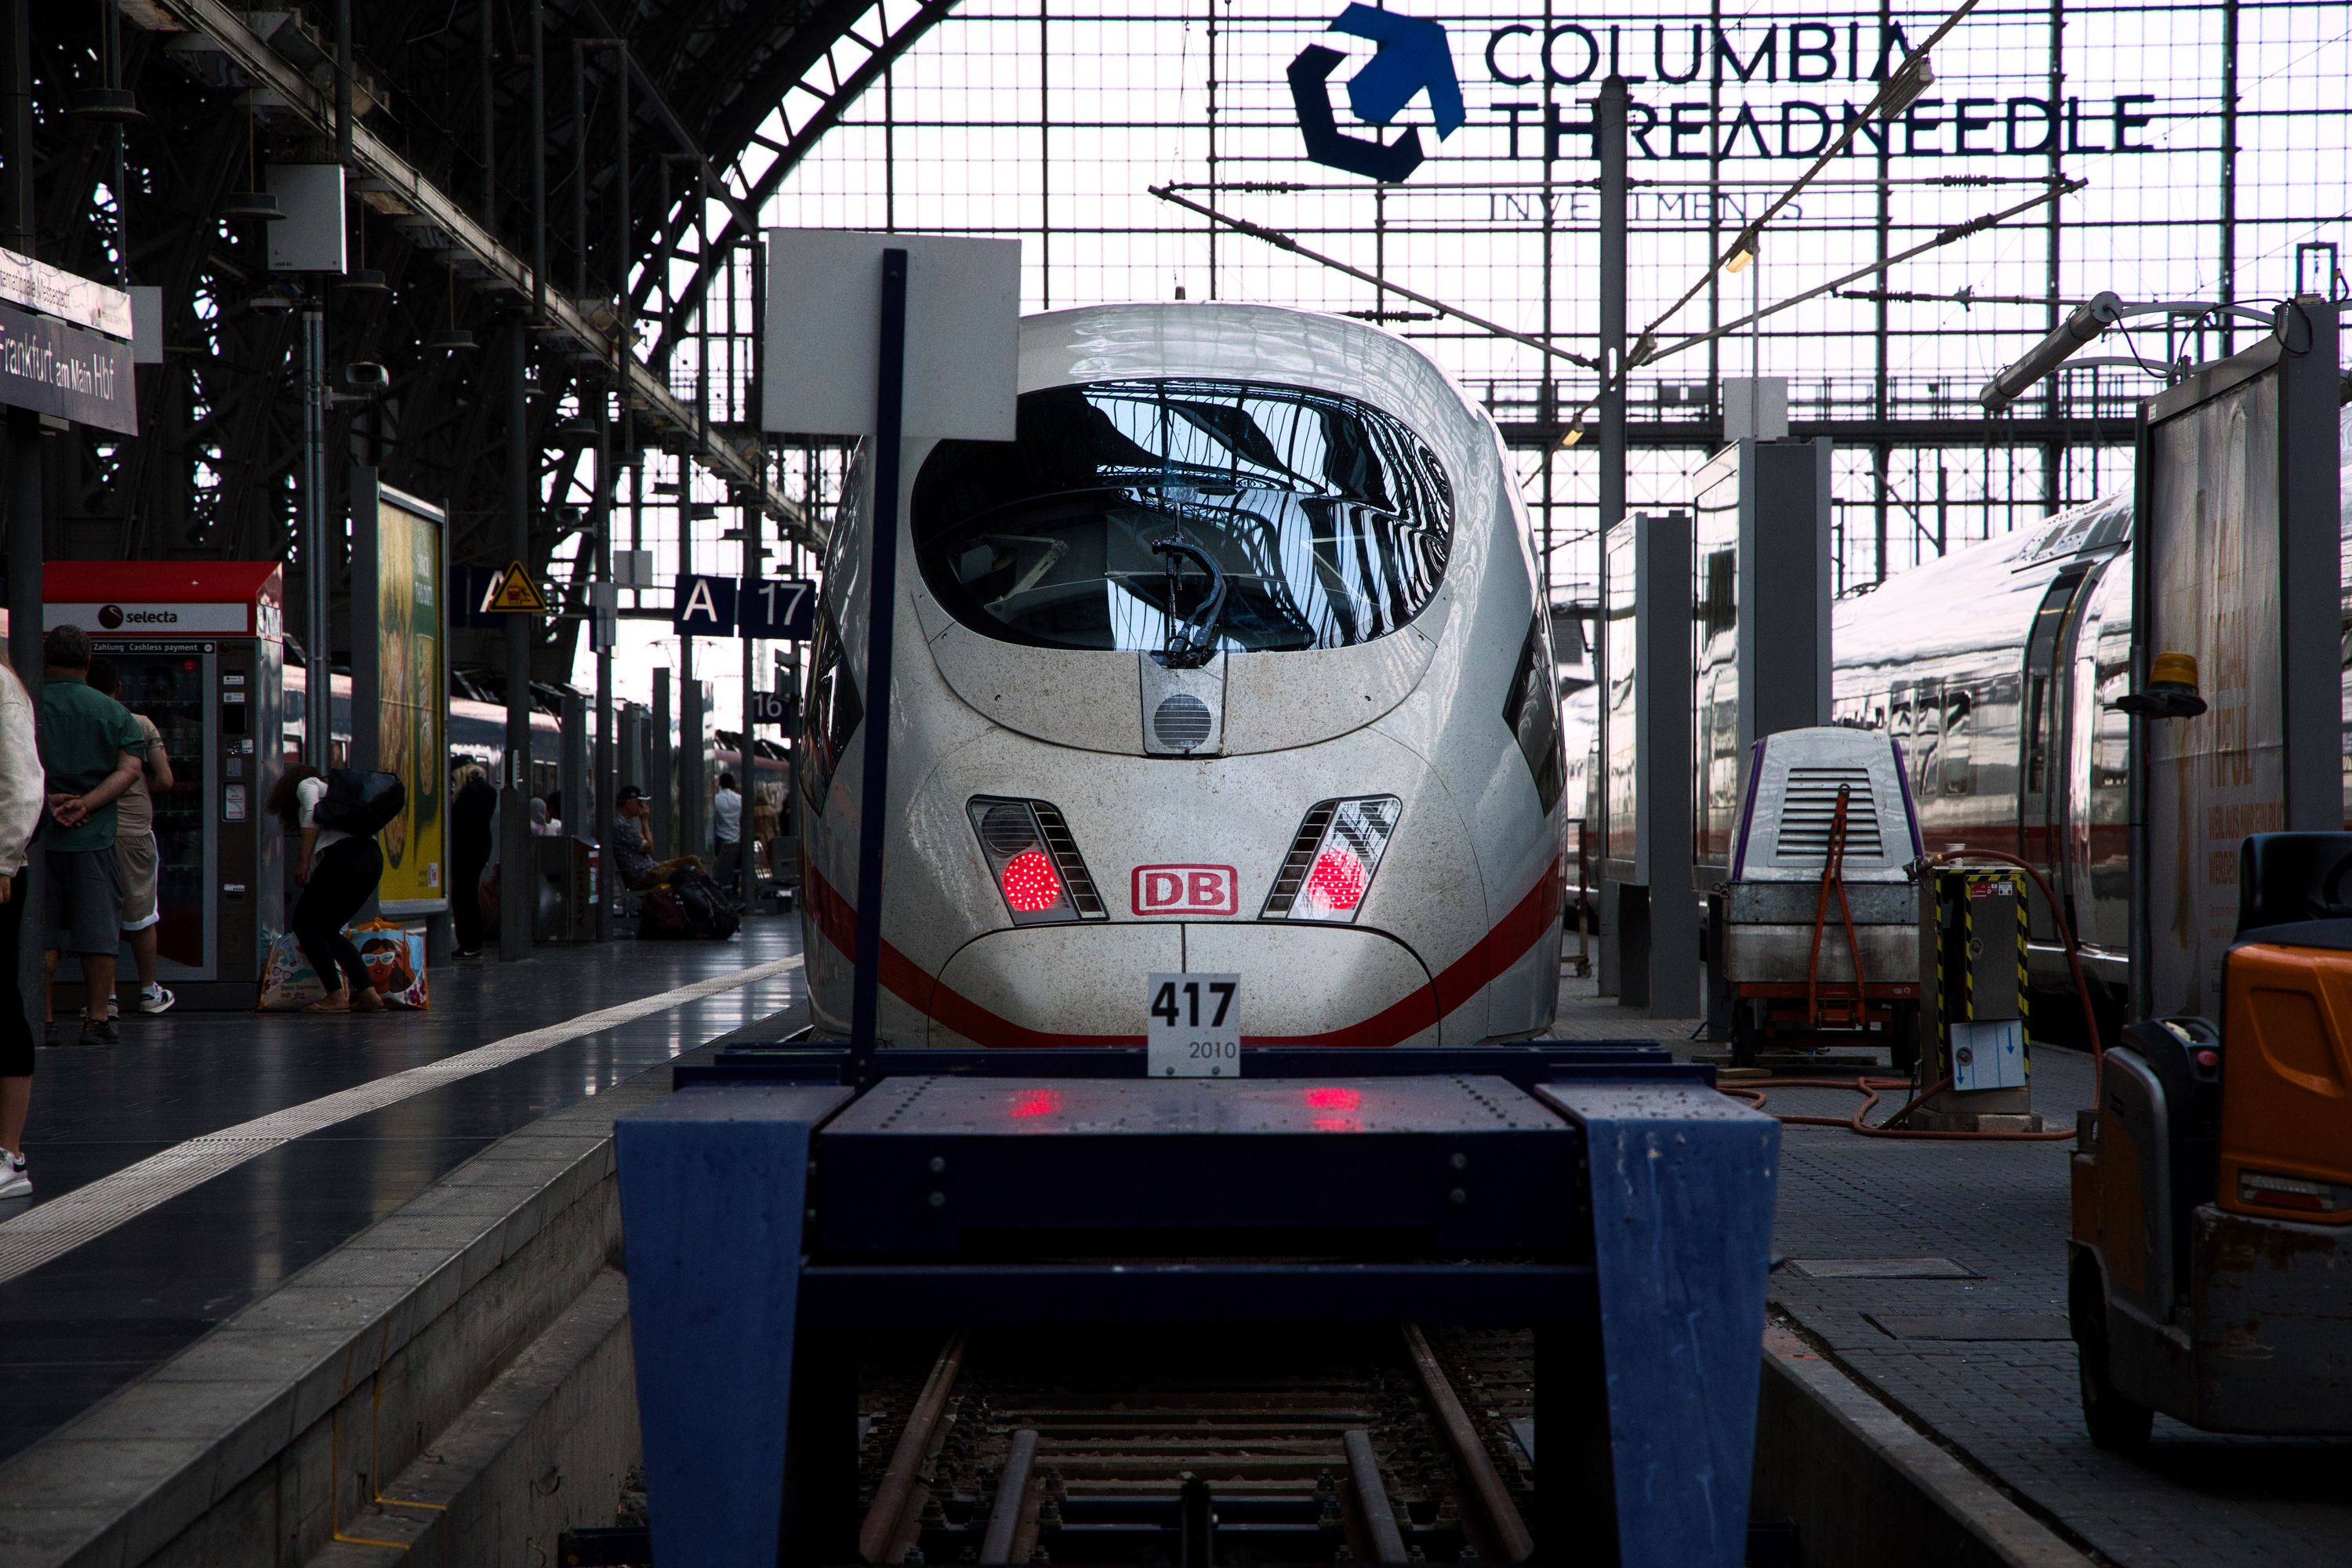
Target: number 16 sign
[{"x": 1193, "y": 1026}]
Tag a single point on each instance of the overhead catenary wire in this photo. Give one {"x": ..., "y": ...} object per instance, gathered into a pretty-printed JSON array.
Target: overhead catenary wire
[{"x": 1282, "y": 241}]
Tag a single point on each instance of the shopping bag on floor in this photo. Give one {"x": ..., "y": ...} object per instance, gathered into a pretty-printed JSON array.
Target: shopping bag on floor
[
  {"x": 287, "y": 981},
  {"x": 394, "y": 956}
]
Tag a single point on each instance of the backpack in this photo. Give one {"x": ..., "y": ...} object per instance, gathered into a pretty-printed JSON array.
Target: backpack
[
  {"x": 706, "y": 913},
  {"x": 359, "y": 803},
  {"x": 660, "y": 916}
]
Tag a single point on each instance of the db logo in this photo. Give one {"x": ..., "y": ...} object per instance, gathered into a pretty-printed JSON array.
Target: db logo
[{"x": 1185, "y": 891}]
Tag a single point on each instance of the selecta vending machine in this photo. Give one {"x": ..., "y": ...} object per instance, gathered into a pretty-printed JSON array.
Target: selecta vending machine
[{"x": 201, "y": 649}]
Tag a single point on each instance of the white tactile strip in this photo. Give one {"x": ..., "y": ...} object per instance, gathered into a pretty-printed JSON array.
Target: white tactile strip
[{"x": 58, "y": 1227}]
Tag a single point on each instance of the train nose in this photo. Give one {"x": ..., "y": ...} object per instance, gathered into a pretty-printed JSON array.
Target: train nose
[{"x": 1055, "y": 985}]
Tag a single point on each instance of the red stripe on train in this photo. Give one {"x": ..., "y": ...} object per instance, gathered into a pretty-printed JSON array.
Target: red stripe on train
[{"x": 1460, "y": 981}]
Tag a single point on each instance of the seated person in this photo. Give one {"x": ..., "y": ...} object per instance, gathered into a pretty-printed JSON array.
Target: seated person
[{"x": 633, "y": 855}]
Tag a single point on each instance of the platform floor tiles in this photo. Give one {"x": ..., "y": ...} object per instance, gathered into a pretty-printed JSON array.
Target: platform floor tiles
[
  {"x": 1981, "y": 1359},
  {"x": 211, "y": 1155}
]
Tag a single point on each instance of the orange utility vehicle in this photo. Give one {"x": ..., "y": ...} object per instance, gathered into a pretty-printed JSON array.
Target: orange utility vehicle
[{"x": 2211, "y": 1262}]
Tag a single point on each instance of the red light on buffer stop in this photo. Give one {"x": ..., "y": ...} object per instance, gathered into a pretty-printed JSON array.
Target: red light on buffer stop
[{"x": 1029, "y": 1102}]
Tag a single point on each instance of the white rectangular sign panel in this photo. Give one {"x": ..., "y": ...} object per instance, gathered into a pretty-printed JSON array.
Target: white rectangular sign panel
[
  {"x": 1192, "y": 1025},
  {"x": 68, "y": 296},
  {"x": 822, "y": 334}
]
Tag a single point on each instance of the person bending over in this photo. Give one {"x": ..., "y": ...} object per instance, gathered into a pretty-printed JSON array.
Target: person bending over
[{"x": 337, "y": 872}]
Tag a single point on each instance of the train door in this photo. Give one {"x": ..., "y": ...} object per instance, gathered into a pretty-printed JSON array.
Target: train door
[{"x": 2042, "y": 731}]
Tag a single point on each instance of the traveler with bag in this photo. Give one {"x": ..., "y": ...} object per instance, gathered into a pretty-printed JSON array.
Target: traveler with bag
[
  {"x": 339, "y": 866},
  {"x": 471, "y": 811}
]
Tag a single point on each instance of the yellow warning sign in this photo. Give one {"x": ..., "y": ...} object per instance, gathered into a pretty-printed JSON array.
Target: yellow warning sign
[{"x": 514, "y": 593}]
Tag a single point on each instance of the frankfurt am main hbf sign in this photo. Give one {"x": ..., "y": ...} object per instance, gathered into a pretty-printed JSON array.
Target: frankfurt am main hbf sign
[{"x": 1788, "y": 90}]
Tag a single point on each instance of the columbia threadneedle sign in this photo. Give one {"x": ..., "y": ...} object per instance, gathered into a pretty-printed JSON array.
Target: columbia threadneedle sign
[{"x": 1702, "y": 91}]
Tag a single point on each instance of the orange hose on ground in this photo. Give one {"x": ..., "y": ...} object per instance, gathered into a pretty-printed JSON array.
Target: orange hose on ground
[{"x": 1872, "y": 1088}]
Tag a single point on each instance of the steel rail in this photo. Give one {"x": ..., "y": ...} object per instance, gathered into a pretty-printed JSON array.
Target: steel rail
[
  {"x": 885, "y": 1518},
  {"x": 1011, "y": 1498},
  {"x": 1492, "y": 1499},
  {"x": 1373, "y": 1498},
  {"x": 371, "y": 154}
]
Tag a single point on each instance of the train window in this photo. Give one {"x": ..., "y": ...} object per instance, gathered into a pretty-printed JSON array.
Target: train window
[
  {"x": 1330, "y": 520},
  {"x": 831, "y": 713},
  {"x": 2042, "y": 717}
]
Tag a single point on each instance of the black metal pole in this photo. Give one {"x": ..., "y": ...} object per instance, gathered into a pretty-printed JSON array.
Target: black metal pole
[
  {"x": 580, "y": 171},
  {"x": 343, "y": 80},
  {"x": 1608, "y": 134},
  {"x": 489, "y": 117},
  {"x": 27, "y": 509},
  {"x": 882, "y": 598},
  {"x": 539, "y": 160},
  {"x": 606, "y": 623},
  {"x": 518, "y": 867}
]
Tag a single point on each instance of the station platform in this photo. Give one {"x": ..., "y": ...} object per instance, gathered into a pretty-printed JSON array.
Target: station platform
[
  {"x": 282, "y": 1269},
  {"x": 1934, "y": 1274},
  {"x": 191, "y": 1170}
]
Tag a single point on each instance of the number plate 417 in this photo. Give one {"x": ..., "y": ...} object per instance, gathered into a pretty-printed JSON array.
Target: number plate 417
[{"x": 1193, "y": 1027}]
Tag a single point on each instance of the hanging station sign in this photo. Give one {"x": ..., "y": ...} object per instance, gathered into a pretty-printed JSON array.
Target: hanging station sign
[{"x": 67, "y": 354}]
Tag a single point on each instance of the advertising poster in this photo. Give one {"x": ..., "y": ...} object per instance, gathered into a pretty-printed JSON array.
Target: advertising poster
[{"x": 409, "y": 651}]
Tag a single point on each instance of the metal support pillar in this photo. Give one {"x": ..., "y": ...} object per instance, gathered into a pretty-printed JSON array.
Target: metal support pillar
[
  {"x": 881, "y": 620},
  {"x": 1609, "y": 135},
  {"x": 663, "y": 783},
  {"x": 318, "y": 621},
  {"x": 571, "y": 803},
  {"x": 1662, "y": 764},
  {"x": 747, "y": 847},
  {"x": 27, "y": 511},
  {"x": 518, "y": 867},
  {"x": 539, "y": 162},
  {"x": 694, "y": 776},
  {"x": 600, "y": 823}
]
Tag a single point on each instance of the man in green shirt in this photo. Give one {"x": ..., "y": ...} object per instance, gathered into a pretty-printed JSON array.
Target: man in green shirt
[{"x": 93, "y": 749}]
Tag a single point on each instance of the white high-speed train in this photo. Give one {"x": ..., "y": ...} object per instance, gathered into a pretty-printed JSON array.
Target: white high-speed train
[
  {"x": 1233, "y": 662},
  {"x": 1997, "y": 669}
]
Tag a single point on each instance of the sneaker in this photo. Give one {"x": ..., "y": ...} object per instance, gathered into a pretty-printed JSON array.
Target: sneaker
[
  {"x": 156, "y": 999},
  {"x": 114, "y": 1006},
  {"x": 14, "y": 1182},
  {"x": 100, "y": 1032}
]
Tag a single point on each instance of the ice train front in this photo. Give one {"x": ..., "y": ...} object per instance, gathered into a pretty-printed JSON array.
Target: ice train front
[{"x": 1233, "y": 662}]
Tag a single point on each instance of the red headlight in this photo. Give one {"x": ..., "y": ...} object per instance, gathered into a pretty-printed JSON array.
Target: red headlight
[
  {"x": 1337, "y": 880},
  {"x": 1030, "y": 882}
]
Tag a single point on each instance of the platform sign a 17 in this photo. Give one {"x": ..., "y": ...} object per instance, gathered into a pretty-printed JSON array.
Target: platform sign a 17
[
  {"x": 1192, "y": 1025},
  {"x": 782, "y": 609}
]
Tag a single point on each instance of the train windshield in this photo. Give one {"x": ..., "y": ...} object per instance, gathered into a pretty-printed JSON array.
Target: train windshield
[{"x": 1328, "y": 520}]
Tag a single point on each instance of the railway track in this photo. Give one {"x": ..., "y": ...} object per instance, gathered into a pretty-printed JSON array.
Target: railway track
[{"x": 1376, "y": 1445}]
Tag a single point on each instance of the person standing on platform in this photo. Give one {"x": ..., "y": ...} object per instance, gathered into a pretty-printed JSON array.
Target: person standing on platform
[
  {"x": 136, "y": 849},
  {"x": 766, "y": 825},
  {"x": 92, "y": 752},
  {"x": 542, "y": 823},
  {"x": 339, "y": 872},
  {"x": 21, "y": 798},
  {"x": 727, "y": 830},
  {"x": 471, "y": 807}
]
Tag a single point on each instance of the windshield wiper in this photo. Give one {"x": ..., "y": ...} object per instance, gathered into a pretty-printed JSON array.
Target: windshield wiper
[{"x": 1191, "y": 642}]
